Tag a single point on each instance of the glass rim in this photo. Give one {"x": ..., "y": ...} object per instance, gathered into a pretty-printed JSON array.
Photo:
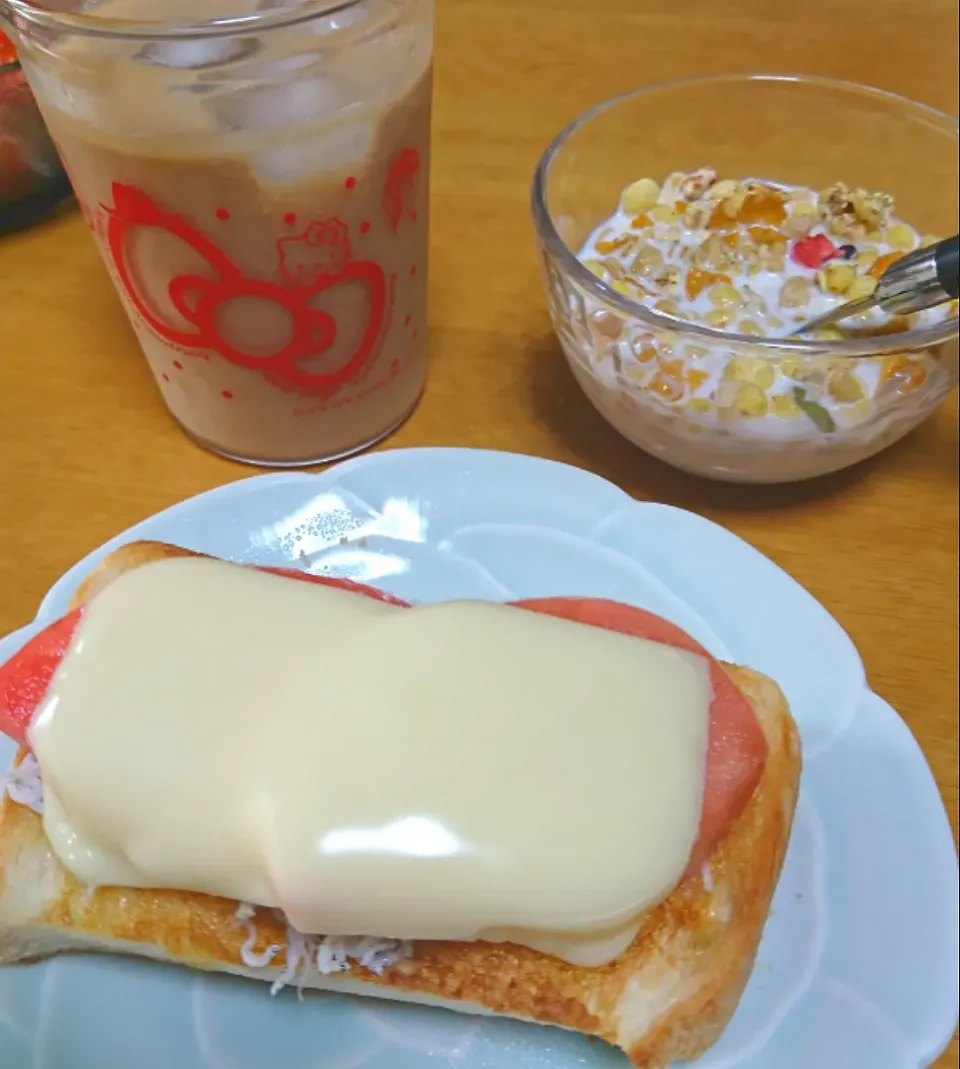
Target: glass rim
[
  {"x": 27, "y": 13},
  {"x": 876, "y": 345}
]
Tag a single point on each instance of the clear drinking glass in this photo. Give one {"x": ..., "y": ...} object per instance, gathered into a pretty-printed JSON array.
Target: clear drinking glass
[
  {"x": 791, "y": 130},
  {"x": 258, "y": 186}
]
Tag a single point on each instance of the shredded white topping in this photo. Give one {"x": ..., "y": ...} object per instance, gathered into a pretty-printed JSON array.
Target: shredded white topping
[
  {"x": 319, "y": 953},
  {"x": 245, "y": 912},
  {"x": 304, "y": 953},
  {"x": 257, "y": 961},
  {"x": 24, "y": 784}
]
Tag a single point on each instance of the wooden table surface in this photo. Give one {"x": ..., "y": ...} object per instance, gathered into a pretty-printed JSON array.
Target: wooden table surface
[{"x": 86, "y": 447}]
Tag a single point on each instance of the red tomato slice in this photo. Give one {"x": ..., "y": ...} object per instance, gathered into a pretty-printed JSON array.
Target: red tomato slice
[
  {"x": 25, "y": 677},
  {"x": 736, "y": 747},
  {"x": 340, "y": 584}
]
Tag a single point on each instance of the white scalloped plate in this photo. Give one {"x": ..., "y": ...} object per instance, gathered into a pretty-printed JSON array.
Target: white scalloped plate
[{"x": 859, "y": 963}]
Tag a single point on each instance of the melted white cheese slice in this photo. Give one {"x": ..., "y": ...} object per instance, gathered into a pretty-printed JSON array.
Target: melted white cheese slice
[{"x": 451, "y": 771}]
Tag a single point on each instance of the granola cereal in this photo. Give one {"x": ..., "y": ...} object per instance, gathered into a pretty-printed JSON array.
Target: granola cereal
[{"x": 757, "y": 258}]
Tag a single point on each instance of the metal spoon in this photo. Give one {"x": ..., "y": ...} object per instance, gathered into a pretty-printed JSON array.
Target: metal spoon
[{"x": 919, "y": 280}]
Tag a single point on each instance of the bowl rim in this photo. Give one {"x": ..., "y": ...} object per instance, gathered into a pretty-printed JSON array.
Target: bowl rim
[{"x": 877, "y": 345}]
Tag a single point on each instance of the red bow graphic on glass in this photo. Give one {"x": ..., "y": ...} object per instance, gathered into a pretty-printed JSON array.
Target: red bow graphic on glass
[{"x": 317, "y": 260}]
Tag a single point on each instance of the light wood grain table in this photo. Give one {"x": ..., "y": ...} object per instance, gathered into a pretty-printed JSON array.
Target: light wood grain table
[{"x": 87, "y": 448}]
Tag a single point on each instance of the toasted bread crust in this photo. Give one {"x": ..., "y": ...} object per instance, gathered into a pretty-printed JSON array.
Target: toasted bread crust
[{"x": 668, "y": 997}]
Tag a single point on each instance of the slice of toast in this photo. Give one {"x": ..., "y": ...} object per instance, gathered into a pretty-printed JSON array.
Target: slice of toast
[{"x": 668, "y": 997}]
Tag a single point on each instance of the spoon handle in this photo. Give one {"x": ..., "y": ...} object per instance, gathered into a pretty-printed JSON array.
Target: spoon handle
[
  {"x": 920, "y": 279},
  {"x": 948, "y": 265}
]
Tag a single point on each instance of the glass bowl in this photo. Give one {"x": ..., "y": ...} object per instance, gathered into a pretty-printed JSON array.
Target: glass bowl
[
  {"x": 32, "y": 179},
  {"x": 793, "y": 131}
]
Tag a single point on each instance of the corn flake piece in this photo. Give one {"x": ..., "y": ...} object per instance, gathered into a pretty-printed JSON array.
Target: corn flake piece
[
  {"x": 902, "y": 372},
  {"x": 763, "y": 205},
  {"x": 640, "y": 196},
  {"x": 846, "y": 387},
  {"x": 607, "y": 324},
  {"x": 836, "y": 277},
  {"x": 783, "y": 406},
  {"x": 698, "y": 280},
  {"x": 721, "y": 218},
  {"x": 795, "y": 292},
  {"x": 666, "y": 388},
  {"x": 766, "y": 235},
  {"x": 672, "y": 369},
  {"x": 862, "y": 286},
  {"x": 880, "y": 265},
  {"x": 750, "y": 369},
  {"x": 696, "y": 216},
  {"x": 901, "y": 236},
  {"x": 668, "y": 307},
  {"x": 725, "y": 295},
  {"x": 664, "y": 213},
  {"x": 800, "y": 224},
  {"x": 719, "y": 318},
  {"x": 648, "y": 261},
  {"x": 608, "y": 247},
  {"x": 749, "y": 401},
  {"x": 726, "y": 187}
]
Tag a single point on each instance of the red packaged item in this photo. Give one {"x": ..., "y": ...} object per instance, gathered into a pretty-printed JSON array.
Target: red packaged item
[
  {"x": 8, "y": 54},
  {"x": 32, "y": 179}
]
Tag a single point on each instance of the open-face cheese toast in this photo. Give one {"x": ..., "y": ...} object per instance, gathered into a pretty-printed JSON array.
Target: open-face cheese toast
[{"x": 667, "y": 997}]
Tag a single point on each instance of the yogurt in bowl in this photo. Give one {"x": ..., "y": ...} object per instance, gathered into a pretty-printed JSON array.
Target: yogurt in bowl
[{"x": 675, "y": 309}]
